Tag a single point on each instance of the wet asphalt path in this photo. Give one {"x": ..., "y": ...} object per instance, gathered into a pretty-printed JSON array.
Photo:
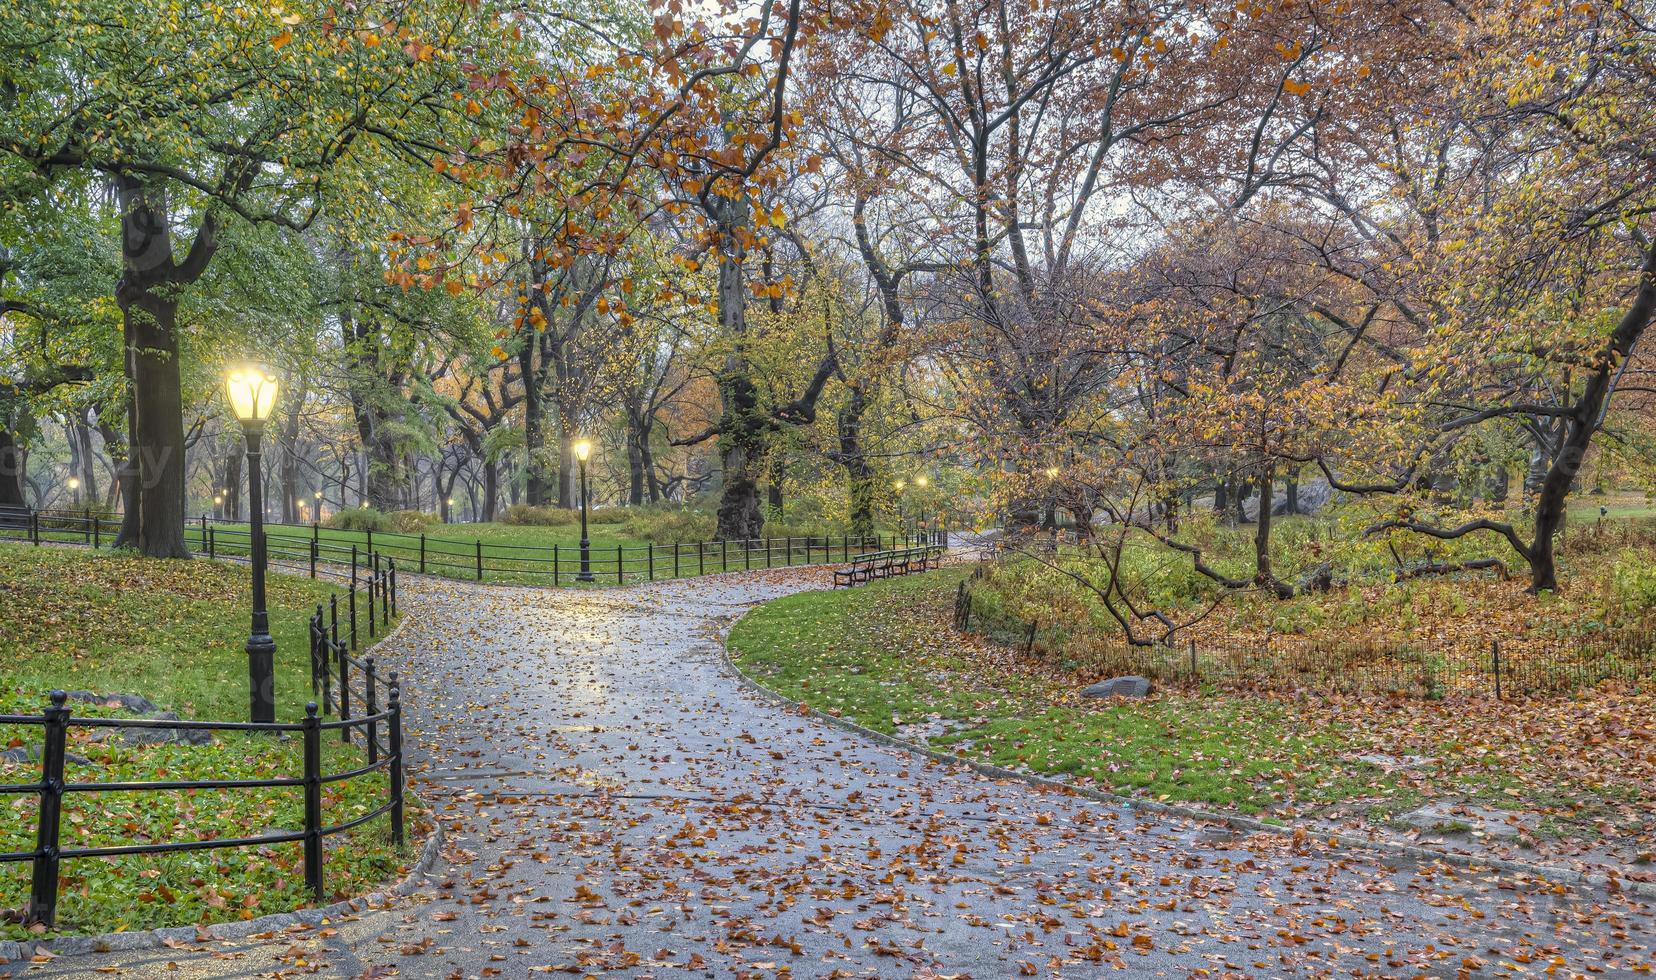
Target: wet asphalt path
[{"x": 615, "y": 805}]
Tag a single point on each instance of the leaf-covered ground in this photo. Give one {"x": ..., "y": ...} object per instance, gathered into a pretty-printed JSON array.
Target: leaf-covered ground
[
  {"x": 172, "y": 631},
  {"x": 615, "y": 804},
  {"x": 1566, "y": 779}
]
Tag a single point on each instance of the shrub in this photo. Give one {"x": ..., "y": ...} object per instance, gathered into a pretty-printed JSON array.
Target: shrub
[
  {"x": 358, "y": 519},
  {"x": 527, "y": 516},
  {"x": 411, "y": 521},
  {"x": 670, "y": 526}
]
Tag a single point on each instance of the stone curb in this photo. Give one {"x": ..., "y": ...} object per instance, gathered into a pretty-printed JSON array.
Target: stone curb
[
  {"x": 13, "y": 951},
  {"x": 1556, "y": 875}
]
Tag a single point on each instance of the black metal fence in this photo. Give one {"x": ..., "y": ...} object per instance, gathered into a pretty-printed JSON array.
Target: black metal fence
[
  {"x": 334, "y": 643},
  {"x": 307, "y": 545},
  {"x": 1510, "y": 667}
]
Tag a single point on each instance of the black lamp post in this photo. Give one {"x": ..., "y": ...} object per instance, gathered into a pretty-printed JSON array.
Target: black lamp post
[
  {"x": 921, "y": 481},
  {"x": 583, "y": 451},
  {"x": 252, "y": 395}
]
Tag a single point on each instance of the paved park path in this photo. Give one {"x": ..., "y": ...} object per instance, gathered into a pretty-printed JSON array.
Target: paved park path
[{"x": 616, "y": 805}]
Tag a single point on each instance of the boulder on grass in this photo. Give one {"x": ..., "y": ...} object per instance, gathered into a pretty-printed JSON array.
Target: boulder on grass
[{"x": 1130, "y": 686}]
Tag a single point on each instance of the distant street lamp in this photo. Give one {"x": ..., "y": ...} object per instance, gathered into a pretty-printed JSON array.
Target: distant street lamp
[
  {"x": 583, "y": 452},
  {"x": 252, "y": 395},
  {"x": 74, "y": 488},
  {"x": 921, "y": 481}
]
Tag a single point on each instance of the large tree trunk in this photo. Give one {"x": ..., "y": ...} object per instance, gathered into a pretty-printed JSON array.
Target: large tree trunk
[
  {"x": 776, "y": 475},
  {"x": 635, "y": 457},
  {"x": 385, "y": 475},
  {"x": 491, "y": 489},
  {"x": 742, "y": 425},
  {"x": 858, "y": 474},
  {"x": 534, "y": 481},
  {"x": 11, "y": 469}
]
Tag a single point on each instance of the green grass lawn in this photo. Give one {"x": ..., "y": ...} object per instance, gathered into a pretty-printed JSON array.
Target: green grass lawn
[
  {"x": 881, "y": 656},
  {"x": 531, "y": 554},
  {"x": 885, "y": 656},
  {"x": 172, "y": 631}
]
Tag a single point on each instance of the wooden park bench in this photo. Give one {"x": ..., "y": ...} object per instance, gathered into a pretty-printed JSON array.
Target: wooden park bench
[{"x": 886, "y": 564}]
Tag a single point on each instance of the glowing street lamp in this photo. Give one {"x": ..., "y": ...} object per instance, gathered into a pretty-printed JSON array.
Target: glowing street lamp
[
  {"x": 583, "y": 452},
  {"x": 921, "y": 481},
  {"x": 251, "y": 392}
]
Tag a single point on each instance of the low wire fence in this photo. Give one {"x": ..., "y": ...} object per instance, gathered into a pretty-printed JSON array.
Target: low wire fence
[
  {"x": 1501, "y": 667},
  {"x": 306, "y": 546},
  {"x": 333, "y": 647}
]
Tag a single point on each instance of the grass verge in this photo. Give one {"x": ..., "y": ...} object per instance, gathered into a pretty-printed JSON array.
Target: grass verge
[
  {"x": 172, "y": 631},
  {"x": 885, "y": 657}
]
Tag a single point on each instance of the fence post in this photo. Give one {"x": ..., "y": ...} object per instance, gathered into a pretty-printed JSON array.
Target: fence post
[
  {"x": 345, "y": 692},
  {"x": 44, "y": 887},
  {"x": 371, "y": 709},
  {"x": 652, "y": 561},
  {"x": 373, "y": 585},
  {"x": 479, "y": 543},
  {"x": 353, "y": 565},
  {"x": 845, "y": 547},
  {"x": 86, "y": 525},
  {"x": 370, "y": 544},
  {"x": 1495, "y": 656},
  {"x": 701, "y": 559},
  {"x": 620, "y": 567},
  {"x": 313, "y": 549},
  {"x": 676, "y": 546},
  {"x": 319, "y": 638},
  {"x": 395, "y": 746},
  {"x": 351, "y": 599},
  {"x": 34, "y": 526},
  {"x": 724, "y": 555},
  {"x": 392, "y": 570},
  {"x": 422, "y": 553},
  {"x": 554, "y": 566},
  {"x": 204, "y": 528},
  {"x": 97, "y": 533},
  {"x": 747, "y": 553},
  {"x": 313, "y": 801},
  {"x": 768, "y": 541},
  {"x": 212, "y": 550},
  {"x": 1193, "y": 658}
]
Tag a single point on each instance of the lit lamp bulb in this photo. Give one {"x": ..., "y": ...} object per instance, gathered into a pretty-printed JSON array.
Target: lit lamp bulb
[
  {"x": 74, "y": 483},
  {"x": 921, "y": 481},
  {"x": 252, "y": 395},
  {"x": 583, "y": 450}
]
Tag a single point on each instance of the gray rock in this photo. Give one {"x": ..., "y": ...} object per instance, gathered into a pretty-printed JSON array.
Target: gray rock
[
  {"x": 158, "y": 736},
  {"x": 1130, "y": 686},
  {"x": 132, "y": 703},
  {"x": 1389, "y": 762},
  {"x": 31, "y": 753},
  {"x": 1465, "y": 818}
]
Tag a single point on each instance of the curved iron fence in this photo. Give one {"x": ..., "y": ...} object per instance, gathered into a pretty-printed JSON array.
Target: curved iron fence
[
  {"x": 304, "y": 546},
  {"x": 334, "y": 644}
]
